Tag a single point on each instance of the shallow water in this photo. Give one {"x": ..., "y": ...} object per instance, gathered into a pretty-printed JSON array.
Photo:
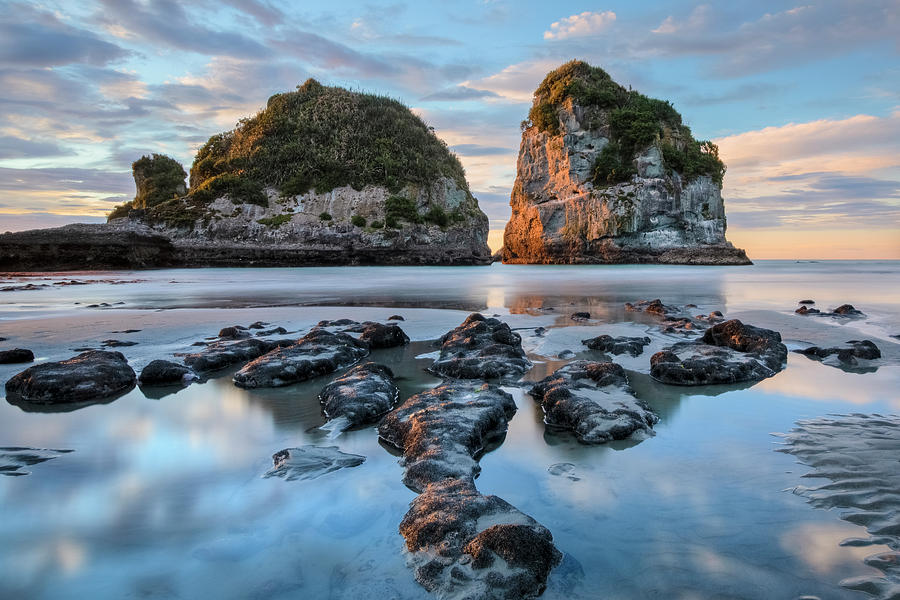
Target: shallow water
[{"x": 165, "y": 497}]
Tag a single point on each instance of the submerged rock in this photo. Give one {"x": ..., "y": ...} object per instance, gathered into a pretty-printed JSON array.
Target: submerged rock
[
  {"x": 361, "y": 395},
  {"x": 317, "y": 353},
  {"x": 219, "y": 355},
  {"x": 863, "y": 349},
  {"x": 654, "y": 307},
  {"x": 89, "y": 376},
  {"x": 273, "y": 331},
  {"x": 806, "y": 302},
  {"x": 235, "y": 332},
  {"x": 117, "y": 343},
  {"x": 805, "y": 310},
  {"x": 13, "y": 460},
  {"x": 16, "y": 355},
  {"x": 594, "y": 401},
  {"x": 617, "y": 345},
  {"x": 165, "y": 372},
  {"x": 481, "y": 348},
  {"x": 729, "y": 352},
  {"x": 847, "y": 310},
  {"x": 395, "y": 318},
  {"x": 581, "y": 316},
  {"x": 442, "y": 430},
  {"x": 462, "y": 543},
  {"x": 310, "y": 462},
  {"x": 589, "y": 189},
  {"x": 377, "y": 336}
]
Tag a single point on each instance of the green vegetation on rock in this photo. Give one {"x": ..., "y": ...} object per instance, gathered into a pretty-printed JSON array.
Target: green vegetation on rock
[
  {"x": 157, "y": 178},
  {"x": 634, "y": 122},
  {"x": 276, "y": 221},
  {"x": 325, "y": 216},
  {"x": 358, "y": 221},
  {"x": 319, "y": 138}
]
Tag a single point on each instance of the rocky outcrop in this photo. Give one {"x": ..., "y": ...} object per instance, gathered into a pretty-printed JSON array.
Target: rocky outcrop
[
  {"x": 617, "y": 345},
  {"x": 594, "y": 401},
  {"x": 317, "y": 353},
  {"x": 462, "y": 543},
  {"x": 86, "y": 247},
  {"x": 219, "y": 355},
  {"x": 605, "y": 175},
  {"x": 88, "y": 377},
  {"x": 379, "y": 336},
  {"x": 481, "y": 348},
  {"x": 729, "y": 352},
  {"x": 361, "y": 395}
]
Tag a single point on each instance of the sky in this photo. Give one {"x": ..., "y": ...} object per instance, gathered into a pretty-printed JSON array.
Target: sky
[{"x": 802, "y": 99}]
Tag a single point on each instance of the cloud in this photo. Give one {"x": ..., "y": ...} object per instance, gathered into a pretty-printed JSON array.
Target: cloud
[
  {"x": 581, "y": 25},
  {"x": 33, "y": 38},
  {"x": 698, "y": 19},
  {"x": 262, "y": 11},
  {"x": 479, "y": 150},
  {"x": 460, "y": 92},
  {"x": 821, "y": 174},
  {"x": 16, "y": 147},
  {"x": 167, "y": 25},
  {"x": 516, "y": 83}
]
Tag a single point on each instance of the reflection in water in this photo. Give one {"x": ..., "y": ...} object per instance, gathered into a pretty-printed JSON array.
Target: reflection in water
[{"x": 163, "y": 495}]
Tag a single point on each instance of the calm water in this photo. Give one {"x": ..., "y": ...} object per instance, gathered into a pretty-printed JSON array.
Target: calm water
[{"x": 163, "y": 497}]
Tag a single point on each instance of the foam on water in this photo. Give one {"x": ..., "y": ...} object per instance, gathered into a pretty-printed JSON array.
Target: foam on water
[{"x": 859, "y": 455}]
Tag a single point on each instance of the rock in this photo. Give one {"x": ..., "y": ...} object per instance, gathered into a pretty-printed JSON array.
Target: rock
[
  {"x": 863, "y": 349},
  {"x": 219, "y": 355},
  {"x": 233, "y": 333},
  {"x": 84, "y": 246},
  {"x": 566, "y": 470},
  {"x": 377, "y": 336},
  {"x": 257, "y": 325},
  {"x": 117, "y": 344},
  {"x": 317, "y": 353},
  {"x": 653, "y": 307},
  {"x": 617, "y": 345},
  {"x": 805, "y": 310},
  {"x": 16, "y": 355},
  {"x": 310, "y": 462},
  {"x": 338, "y": 323},
  {"x": 165, "y": 372},
  {"x": 807, "y": 302},
  {"x": 396, "y": 318},
  {"x": 127, "y": 331},
  {"x": 565, "y": 354},
  {"x": 594, "y": 401},
  {"x": 273, "y": 331},
  {"x": 87, "y": 377},
  {"x": 360, "y": 396},
  {"x": 847, "y": 310},
  {"x": 481, "y": 348},
  {"x": 441, "y": 430},
  {"x": 564, "y": 211},
  {"x": 581, "y": 316},
  {"x": 729, "y": 352},
  {"x": 462, "y": 543},
  {"x": 13, "y": 460}
]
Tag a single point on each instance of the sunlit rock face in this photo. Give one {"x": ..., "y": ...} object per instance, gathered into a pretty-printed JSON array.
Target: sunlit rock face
[{"x": 564, "y": 212}]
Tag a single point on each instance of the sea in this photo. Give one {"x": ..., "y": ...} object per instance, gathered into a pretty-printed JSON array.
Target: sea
[{"x": 783, "y": 488}]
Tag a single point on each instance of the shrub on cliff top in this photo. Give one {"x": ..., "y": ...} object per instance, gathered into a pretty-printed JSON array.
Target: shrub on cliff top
[
  {"x": 157, "y": 178},
  {"x": 319, "y": 138},
  {"x": 635, "y": 122}
]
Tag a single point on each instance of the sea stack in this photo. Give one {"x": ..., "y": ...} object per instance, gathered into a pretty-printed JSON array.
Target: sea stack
[
  {"x": 320, "y": 176},
  {"x": 608, "y": 175}
]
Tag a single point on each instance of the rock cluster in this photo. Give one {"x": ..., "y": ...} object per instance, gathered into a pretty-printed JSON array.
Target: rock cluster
[
  {"x": 594, "y": 401},
  {"x": 90, "y": 376},
  {"x": 617, "y": 345},
  {"x": 857, "y": 349},
  {"x": 728, "y": 352},
  {"x": 481, "y": 348}
]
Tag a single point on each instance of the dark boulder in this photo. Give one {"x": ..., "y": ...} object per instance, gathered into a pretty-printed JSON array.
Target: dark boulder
[
  {"x": 88, "y": 377},
  {"x": 317, "y": 353},
  {"x": 16, "y": 355},
  {"x": 360, "y": 396},
  {"x": 654, "y": 307},
  {"x": 857, "y": 349},
  {"x": 257, "y": 325},
  {"x": 273, "y": 331},
  {"x": 617, "y": 345},
  {"x": 395, "y": 318},
  {"x": 481, "y": 348},
  {"x": 219, "y": 355},
  {"x": 805, "y": 310},
  {"x": 378, "y": 336},
  {"x": 164, "y": 372},
  {"x": 807, "y": 302},
  {"x": 847, "y": 310},
  {"x": 594, "y": 401},
  {"x": 729, "y": 352},
  {"x": 233, "y": 333},
  {"x": 581, "y": 316}
]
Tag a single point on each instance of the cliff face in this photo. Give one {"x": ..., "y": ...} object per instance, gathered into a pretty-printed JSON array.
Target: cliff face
[{"x": 593, "y": 186}]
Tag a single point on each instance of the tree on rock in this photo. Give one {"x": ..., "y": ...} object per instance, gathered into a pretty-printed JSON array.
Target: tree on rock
[{"x": 157, "y": 178}]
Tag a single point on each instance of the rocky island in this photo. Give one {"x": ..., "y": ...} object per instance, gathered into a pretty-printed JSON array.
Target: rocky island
[
  {"x": 321, "y": 176},
  {"x": 608, "y": 175}
]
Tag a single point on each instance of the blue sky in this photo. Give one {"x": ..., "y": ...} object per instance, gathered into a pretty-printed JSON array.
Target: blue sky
[{"x": 803, "y": 99}]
